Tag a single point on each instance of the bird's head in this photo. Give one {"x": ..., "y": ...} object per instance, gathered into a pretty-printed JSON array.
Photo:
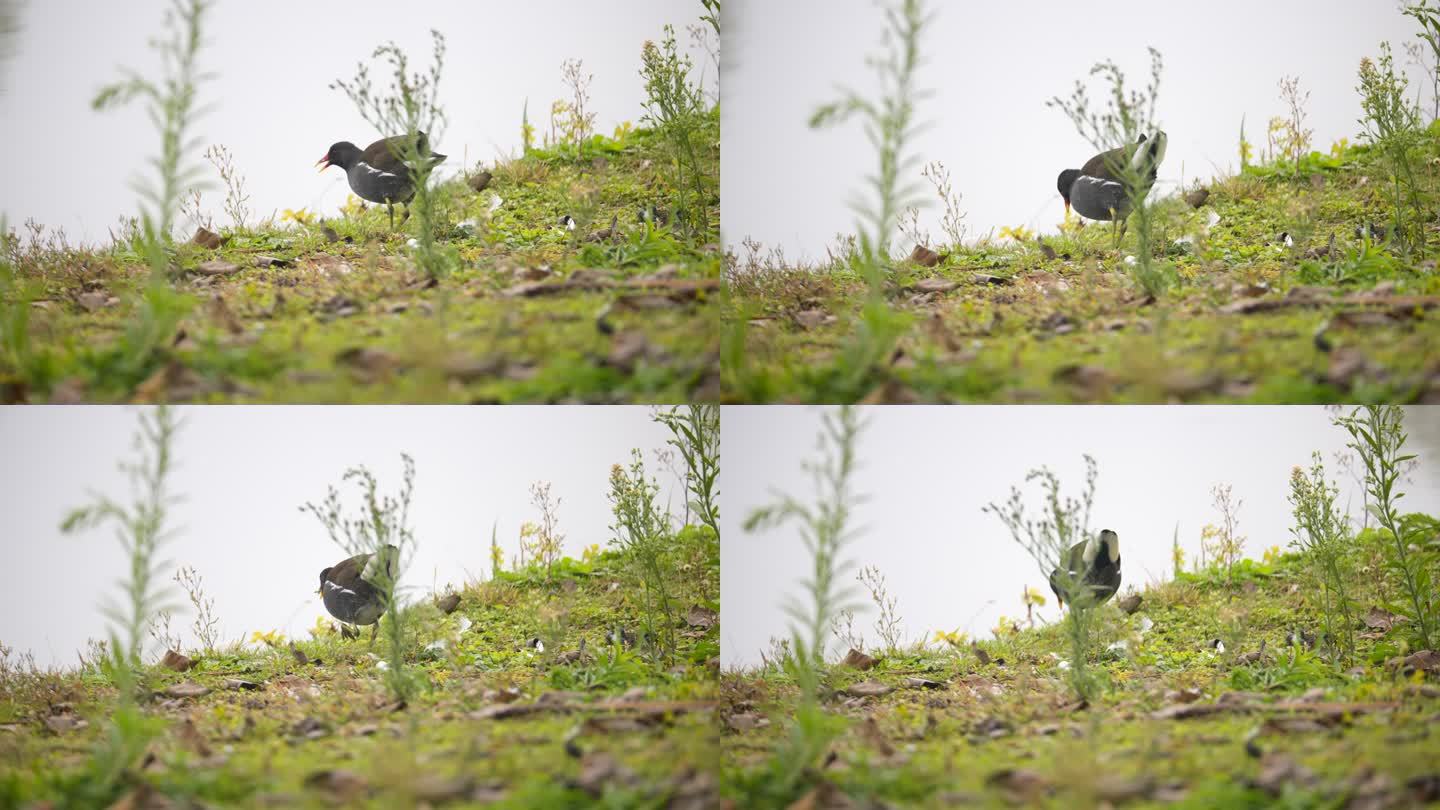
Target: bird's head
[
  {"x": 1064, "y": 183},
  {"x": 342, "y": 154},
  {"x": 324, "y": 575}
]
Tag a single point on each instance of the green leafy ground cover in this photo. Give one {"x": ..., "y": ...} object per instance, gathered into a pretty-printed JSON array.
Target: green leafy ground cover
[
  {"x": 1257, "y": 722},
  {"x": 496, "y": 723},
  {"x": 1292, "y": 295},
  {"x": 336, "y": 311}
]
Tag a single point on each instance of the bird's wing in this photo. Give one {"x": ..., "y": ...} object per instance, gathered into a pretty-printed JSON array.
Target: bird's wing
[
  {"x": 1104, "y": 164},
  {"x": 1096, "y": 198},
  {"x": 331, "y": 587},
  {"x": 392, "y": 153},
  {"x": 344, "y": 571},
  {"x": 387, "y": 185}
]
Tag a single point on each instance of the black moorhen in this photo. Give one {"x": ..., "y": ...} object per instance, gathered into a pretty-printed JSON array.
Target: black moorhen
[
  {"x": 1097, "y": 191},
  {"x": 379, "y": 174},
  {"x": 1106, "y": 165},
  {"x": 354, "y": 589},
  {"x": 1093, "y": 565}
]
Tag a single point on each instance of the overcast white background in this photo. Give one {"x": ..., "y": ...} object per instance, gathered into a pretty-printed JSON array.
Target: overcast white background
[
  {"x": 244, "y": 471},
  {"x": 69, "y": 166},
  {"x": 928, "y": 471},
  {"x": 992, "y": 66}
]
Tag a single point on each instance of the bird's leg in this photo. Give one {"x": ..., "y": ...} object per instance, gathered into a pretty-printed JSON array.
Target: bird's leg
[
  {"x": 374, "y": 629},
  {"x": 390, "y": 209}
]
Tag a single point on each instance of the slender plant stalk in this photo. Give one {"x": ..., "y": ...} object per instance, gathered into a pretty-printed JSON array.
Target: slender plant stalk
[
  {"x": 408, "y": 106},
  {"x": 1323, "y": 534},
  {"x": 642, "y": 533},
  {"x": 825, "y": 528},
  {"x": 381, "y": 521},
  {"x": 1378, "y": 437},
  {"x": 142, "y": 529},
  {"x": 1126, "y": 116},
  {"x": 1427, "y": 14},
  {"x": 676, "y": 108},
  {"x": 172, "y": 104},
  {"x": 1392, "y": 124},
  {"x": 695, "y": 433},
  {"x": 17, "y": 354},
  {"x": 890, "y": 123},
  {"x": 1063, "y": 522}
]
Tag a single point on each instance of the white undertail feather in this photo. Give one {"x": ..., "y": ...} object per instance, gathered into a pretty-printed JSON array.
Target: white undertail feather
[
  {"x": 1150, "y": 154},
  {"x": 1110, "y": 539},
  {"x": 386, "y": 557}
]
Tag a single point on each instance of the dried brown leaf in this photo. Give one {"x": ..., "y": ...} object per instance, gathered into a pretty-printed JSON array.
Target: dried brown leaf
[
  {"x": 187, "y": 689},
  {"x": 176, "y": 661},
  {"x": 217, "y": 267},
  {"x": 868, "y": 689}
]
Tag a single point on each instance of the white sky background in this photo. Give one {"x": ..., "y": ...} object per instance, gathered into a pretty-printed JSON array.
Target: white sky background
[
  {"x": 70, "y": 166},
  {"x": 244, "y": 471},
  {"x": 992, "y": 66},
  {"x": 927, "y": 471}
]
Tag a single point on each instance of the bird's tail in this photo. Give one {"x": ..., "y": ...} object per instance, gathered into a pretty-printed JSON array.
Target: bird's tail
[
  {"x": 383, "y": 565},
  {"x": 1148, "y": 157}
]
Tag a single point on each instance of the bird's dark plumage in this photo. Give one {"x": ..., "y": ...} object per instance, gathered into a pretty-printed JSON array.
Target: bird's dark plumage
[
  {"x": 354, "y": 590},
  {"x": 1091, "y": 566},
  {"x": 1097, "y": 189},
  {"x": 379, "y": 173}
]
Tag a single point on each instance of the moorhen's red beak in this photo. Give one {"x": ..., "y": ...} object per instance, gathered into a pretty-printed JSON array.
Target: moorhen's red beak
[
  {"x": 1067, "y": 210},
  {"x": 325, "y": 160}
]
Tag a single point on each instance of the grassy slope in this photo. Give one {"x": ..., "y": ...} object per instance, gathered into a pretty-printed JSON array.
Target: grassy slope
[
  {"x": 350, "y": 321},
  {"x": 951, "y": 746},
  {"x": 1074, "y": 328},
  {"x": 246, "y": 747}
]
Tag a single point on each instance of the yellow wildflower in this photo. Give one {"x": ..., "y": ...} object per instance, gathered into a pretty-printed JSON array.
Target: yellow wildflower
[
  {"x": 951, "y": 638},
  {"x": 302, "y": 216},
  {"x": 1019, "y": 233}
]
